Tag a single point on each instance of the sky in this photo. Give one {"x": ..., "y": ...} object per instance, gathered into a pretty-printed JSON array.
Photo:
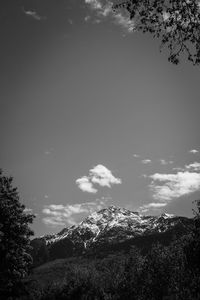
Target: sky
[{"x": 92, "y": 114}]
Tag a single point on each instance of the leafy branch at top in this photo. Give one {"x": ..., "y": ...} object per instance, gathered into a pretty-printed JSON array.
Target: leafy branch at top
[{"x": 176, "y": 23}]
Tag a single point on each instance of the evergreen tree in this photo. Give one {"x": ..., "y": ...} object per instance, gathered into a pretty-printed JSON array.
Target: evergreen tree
[{"x": 14, "y": 240}]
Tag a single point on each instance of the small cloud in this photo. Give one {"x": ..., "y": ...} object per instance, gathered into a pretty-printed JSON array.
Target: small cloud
[
  {"x": 46, "y": 196},
  {"x": 136, "y": 155},
  {"x": 87, "y": 18},
  {"x": 48, "y": 151},
  {"x": 70, "y": 21},
  {"x": 85, "y": 185},
  {"x": 152, "y": 205},
  {"x": 146, "y": 161},
  {"x": 194, "y": 151},
  {"x": 33, "y": 14},
  {"x": 61, "y": 215},
  {"x": 165, "y": 162},
  {"x": 178, "y": 169},
  {"x": 97, "y": 21},
  {"x": 53, "y": 221},
  {"x": 98, "y": 175}
]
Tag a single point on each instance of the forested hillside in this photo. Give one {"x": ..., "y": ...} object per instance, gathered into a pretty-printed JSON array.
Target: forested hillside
[{"x": 165, "y": 272}]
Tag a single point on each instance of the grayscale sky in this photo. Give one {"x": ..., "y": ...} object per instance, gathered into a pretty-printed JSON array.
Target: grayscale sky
[{"x": 92, "y": 114}]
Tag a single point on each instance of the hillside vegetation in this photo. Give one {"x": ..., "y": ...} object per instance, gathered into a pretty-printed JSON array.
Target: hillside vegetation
[{"x": 165, "y": 272}]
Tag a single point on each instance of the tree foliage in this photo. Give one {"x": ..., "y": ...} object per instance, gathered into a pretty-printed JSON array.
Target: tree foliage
[
  {"x": 14, "y": 239},
  {"x": 176, "y": 23}
]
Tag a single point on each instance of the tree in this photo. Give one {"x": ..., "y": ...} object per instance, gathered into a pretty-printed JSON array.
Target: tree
[
  {"x": 176, "y": 23},
  {"x": 14, "y": 239}
]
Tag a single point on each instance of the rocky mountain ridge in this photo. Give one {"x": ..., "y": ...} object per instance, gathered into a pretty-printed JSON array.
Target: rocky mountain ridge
[{"x": 107, "y": 228}]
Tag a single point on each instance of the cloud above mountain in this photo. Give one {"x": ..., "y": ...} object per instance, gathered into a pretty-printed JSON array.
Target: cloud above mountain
[
  {"x": 62, "y": 215},
  {"x": 98, "y": 175},
  {"x": 177, "y": 182},
  {"x": 166, "y": 187},
  {"x": 153, "y": 205}
]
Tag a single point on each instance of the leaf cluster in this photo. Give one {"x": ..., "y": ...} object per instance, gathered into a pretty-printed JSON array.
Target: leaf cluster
[{"x": 175, "y": 23}]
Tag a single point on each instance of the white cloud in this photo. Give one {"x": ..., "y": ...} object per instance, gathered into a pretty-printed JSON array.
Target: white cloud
[
  {"x": 146, "y": 161},
  {"x": 61, "y": 215},
  {"x": 104, "y": 9},
  {"x": 165, "y": 162},
  {"x": 166, "y": 187},
  {"x": 136, "y": 155},
  {"x": 194, "y": 166},
  {"x": 152, "y": 205},
  {"x": 53, "y": 221},
  {"x": 103, "y": 176},
  {"x": 95, "y": 4},
  {"x": 33, "y": 14},
  {"x": 98, "y": 175},
  {"x": 194, "y": 151},
  {"x": 85, "y": 185}
]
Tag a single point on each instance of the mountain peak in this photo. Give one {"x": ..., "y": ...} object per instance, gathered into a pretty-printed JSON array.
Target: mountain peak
[
  {"x": 116, "y": 209},
  {"x": 166, "y": 215},
  {"x": 110, "y": 227}
]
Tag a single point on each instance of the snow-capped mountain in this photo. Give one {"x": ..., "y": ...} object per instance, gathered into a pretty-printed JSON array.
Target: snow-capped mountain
[{"x": 108, "y": 228}]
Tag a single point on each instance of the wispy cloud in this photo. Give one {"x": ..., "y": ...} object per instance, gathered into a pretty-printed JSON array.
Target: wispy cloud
[
  {"x": 98, "y": 175},
  {"x": 178, "y": 182},
  {"x": 165, "y": 162},
  {"x": 153, "y": 205},
  {"x": 194, "y": 151},
  {"x": 136, "y": 155},
  {"x": 62, "y": 215},
  {"x": 166, "y": 187},
  {"x": 146, "y": 161},
  {"x": 194, "y": 166},
  {"x": 33, "y": 14},
  {"x": 104, "y": 9}
]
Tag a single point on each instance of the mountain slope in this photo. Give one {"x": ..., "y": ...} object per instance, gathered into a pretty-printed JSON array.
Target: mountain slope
[{"x": 109, "y": 229}]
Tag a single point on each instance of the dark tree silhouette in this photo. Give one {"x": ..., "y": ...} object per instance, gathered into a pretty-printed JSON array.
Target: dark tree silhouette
[
  {"x": 14, "y": 239},
  {"x": 176, "y": 23}
]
